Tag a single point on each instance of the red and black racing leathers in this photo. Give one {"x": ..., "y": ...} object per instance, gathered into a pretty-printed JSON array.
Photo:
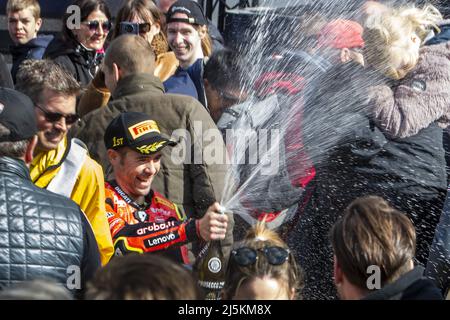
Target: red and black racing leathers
[{"x": 157, "y": 225}]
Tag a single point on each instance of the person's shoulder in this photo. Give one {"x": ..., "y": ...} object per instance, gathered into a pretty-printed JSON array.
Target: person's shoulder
[
  {"x": 422, "y": 289},
  {"x": 162, "y": 202},
  {"x": 92, "y": 168},
  {"x": 167, "y": 57},
  {"x": 434, "y": 61},
  {"x": 110, "y": 193},
  {"x": 55, "y": 200},
  {"x": 438, "y": 49}
]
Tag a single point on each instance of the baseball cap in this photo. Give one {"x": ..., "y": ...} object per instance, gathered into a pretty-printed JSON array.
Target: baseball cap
[
  {"x": 17, "y": 114},
  {"x": 341, "y": 33},
  {"x": 137, "y": 131},
  {"x": 191, "y": 8}
]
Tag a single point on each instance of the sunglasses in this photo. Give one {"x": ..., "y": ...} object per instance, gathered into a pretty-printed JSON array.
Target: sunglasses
[
  {"x": 55, "y": 116},
  {"x": 246, "y": 256},
  {"x": 94, "y": 24}
]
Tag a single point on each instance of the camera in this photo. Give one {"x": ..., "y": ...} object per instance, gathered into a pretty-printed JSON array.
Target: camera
[{"x": 129, "y": 27}]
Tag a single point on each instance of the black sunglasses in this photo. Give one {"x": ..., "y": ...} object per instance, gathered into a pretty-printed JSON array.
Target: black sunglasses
[
  {"x": 55, "y": 116},
  {"x": 94, "y": 24},
  {"x": 246, "y": 256}
]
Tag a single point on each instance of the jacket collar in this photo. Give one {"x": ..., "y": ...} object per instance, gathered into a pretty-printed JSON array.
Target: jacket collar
[
  {"x": 136, "y": 83},
  {"x": 396, "y": 288},
  {"x": 14, "y": 166}
]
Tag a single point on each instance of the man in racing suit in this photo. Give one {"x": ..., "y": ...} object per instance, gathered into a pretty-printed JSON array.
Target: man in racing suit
[{"x": 141, "y": 220}]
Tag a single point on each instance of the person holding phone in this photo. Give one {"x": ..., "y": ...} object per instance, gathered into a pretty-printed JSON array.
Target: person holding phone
[{"x": 141, "y": 17}]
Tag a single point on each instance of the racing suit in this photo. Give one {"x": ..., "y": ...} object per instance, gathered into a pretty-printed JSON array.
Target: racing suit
[{"x": 157, "y": 225}]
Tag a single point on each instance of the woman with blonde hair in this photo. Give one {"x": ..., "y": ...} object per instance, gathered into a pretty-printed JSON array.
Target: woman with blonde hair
[
  {"x": 262, "y": 268},
  {"x": 393, "y": 38},
  {"x": 381, "y": 129},
  {"x": 416, "y": 104},
  {"x": 140, "y": 17}
]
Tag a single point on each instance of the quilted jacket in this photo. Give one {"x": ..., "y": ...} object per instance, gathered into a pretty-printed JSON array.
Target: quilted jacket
[{"x": 42, "y": 234}]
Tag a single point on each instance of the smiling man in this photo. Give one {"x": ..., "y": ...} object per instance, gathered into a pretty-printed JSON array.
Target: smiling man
[
  {"x": 63, "y": 165},
  {"x": 141, "y": 219},
  {"x": 24, "y": 22},
  {"x": 188, "y": 37}
]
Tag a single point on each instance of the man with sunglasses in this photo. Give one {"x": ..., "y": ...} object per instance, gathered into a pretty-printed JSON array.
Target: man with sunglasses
[
  {"x": 34, "y": 222},
  {"x": 60, "y": 164}
]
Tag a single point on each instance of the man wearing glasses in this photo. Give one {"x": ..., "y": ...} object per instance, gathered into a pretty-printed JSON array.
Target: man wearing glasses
[{"x": 62, "y": 165}]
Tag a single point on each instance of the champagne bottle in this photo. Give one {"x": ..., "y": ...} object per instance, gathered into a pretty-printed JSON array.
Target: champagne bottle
[{"x": 211, "y": 269}]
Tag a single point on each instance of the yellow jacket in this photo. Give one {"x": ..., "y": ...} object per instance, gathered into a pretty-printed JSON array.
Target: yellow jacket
[{"x": 88, "y": 192}]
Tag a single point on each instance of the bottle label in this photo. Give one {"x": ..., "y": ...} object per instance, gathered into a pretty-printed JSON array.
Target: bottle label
[{"x": 214, "y": 265}]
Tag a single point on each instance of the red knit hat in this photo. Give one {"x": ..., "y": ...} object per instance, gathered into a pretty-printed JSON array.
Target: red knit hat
[{"x": 341, "y": 34}]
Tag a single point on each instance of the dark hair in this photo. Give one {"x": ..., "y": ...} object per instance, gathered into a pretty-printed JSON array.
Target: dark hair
[
  {"x": 143, "y": 277},
  {"x": 372, "y": 233},
  {"x": 14, "y": 149},
  {"x": 289, "y": 272},
  {"x": 132, "y": 53},
  {"x": 86, "y": 8},
  {"x": 226, "y": 70}
]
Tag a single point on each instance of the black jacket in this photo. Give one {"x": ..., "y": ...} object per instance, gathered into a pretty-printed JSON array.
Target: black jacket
[
  {"x": 354, "y": 158},
  {"x": 5, "y": 76},
  {"x": 410, "y": 286},
  {"x": 79, "y": 61},
  {"x": 42, "y": 234},
  {"x": 33, "y": 49},
  {"x": 359, "y": 150}
]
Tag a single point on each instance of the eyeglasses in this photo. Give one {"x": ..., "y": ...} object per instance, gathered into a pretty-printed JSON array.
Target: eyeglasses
[
  {"x": 246, "y": 256},
  {"x": 94, "y": 24},
  {"x": 55, "y": 116}
]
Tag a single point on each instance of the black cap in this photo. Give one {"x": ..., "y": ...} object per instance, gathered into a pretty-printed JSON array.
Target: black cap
[
  {"x": 137, "y": 131},
  {"x": 17, "y": 114},
  {"x": 191, "y": 8}
]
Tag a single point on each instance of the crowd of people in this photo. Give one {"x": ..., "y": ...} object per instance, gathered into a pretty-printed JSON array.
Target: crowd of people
[{"x": 109, "y": 191}]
